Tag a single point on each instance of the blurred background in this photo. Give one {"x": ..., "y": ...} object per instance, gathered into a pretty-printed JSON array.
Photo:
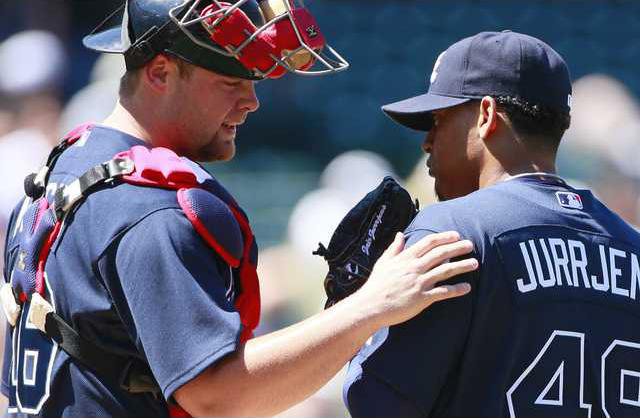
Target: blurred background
[{"x": 317, "y": 145}]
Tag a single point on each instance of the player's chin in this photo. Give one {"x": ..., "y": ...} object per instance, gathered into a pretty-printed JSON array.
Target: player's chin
[
  {"x": 220, "y": 148},
  {"x": 228, "y": 153},
  {"x": 222, "y": 151}
]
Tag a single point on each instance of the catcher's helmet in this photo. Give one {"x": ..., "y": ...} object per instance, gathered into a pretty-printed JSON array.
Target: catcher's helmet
[{"x": 243, "y": 38}]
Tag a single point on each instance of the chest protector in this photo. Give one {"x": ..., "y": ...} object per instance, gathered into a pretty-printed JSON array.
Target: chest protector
[{"x": 205, "y": 203}]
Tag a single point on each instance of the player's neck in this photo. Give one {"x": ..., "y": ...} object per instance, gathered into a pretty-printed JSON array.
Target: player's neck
[
  {"x": 505, "y": 155},
  {"x": 122, "y": 120},
  {"x": 495, "y": 173}
]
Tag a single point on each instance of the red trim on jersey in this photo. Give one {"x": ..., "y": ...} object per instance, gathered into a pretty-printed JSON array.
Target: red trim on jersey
[
  {"x": 248, "y": 301},
  {"x": 44, "y": 254}
]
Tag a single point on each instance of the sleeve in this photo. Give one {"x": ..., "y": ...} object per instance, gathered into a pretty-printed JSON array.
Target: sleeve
[
  {"x": 361, "y": 388},
  {"x": 170, "y": 289},
  {"x": 408, "y": 368}
]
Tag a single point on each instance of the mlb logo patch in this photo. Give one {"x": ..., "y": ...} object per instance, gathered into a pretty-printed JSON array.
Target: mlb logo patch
[{"x": 569, "y": 200}]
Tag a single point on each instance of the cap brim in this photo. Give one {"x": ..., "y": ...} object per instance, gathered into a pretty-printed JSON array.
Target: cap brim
[
  {"x": 107, "y": 36},
  {"x": 415, "y": 112},
  {"x": 109, "y": 41}
]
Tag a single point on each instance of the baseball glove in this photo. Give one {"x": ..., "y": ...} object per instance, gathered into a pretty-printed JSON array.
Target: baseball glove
[{"x": 362, "y": 236}]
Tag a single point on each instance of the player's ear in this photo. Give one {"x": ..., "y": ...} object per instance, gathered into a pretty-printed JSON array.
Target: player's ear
[
  {"x": 487, "y": 117},
  {"x": 159, "y": 72}
]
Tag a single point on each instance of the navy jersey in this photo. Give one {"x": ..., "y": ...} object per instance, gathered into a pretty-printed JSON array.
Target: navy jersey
[
  {"x": 550, "y": 328},
  {"x": 130, "y": 273}
]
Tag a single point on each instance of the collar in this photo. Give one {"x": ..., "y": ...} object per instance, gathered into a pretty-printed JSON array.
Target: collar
[{"x": 549, "y": 178}]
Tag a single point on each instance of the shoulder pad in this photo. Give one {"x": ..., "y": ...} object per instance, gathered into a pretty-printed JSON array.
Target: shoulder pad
[
  {"x": 159, "y": 167},
  {"x": 214, "y": 221}
]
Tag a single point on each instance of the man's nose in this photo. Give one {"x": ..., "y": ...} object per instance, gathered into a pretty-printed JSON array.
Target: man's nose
[{"x": 250, "y": 102}]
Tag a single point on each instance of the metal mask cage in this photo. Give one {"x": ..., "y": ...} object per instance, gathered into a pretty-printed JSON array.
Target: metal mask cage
[{"x": 332, "y": 62}]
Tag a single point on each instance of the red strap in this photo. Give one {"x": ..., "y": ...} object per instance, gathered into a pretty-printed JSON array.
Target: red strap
[
  {"x": 43, "y": 210},
  {"x": 44, "y": 254},
  {"x": 248, "y": 302}
]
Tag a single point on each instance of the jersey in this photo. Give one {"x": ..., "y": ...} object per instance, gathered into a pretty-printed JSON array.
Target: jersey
[
  {"x": 549, "y": 328},
  {"x": 130, "y": 273}
]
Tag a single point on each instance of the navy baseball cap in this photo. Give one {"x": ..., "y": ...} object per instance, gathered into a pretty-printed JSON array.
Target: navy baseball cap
[{"x": 489, "y": 64}]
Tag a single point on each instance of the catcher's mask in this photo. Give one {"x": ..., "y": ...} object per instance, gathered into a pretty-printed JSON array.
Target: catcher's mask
[{"x": 243, "y": 38}]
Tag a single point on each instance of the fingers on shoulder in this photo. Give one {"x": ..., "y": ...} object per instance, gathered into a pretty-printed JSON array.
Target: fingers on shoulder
[
  {"x": 431, "y": 241},
  {"x": 443, "y": 253},
  {"x": 448, "y": 291},
  {"x": 450, "y": 269}
]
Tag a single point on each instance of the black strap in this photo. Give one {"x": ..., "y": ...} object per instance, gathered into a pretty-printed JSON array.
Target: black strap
[
  {"x": 67, "y": 196},
  {"x": 92, "y": 177},
  {"x": 37, "y": 190},
  {"x": 131, "y": 374},
  {"x": 56, "y": 152}
]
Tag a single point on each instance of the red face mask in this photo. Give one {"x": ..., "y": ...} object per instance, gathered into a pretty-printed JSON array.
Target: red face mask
[{"x": 288, "y": 39}]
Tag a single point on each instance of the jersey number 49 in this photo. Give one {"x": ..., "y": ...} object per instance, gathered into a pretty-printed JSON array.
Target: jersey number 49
[{"x": 554, "y": 384}]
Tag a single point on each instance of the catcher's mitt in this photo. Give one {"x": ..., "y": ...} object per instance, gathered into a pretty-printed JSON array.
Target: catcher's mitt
[{"x": 362, "y": 236}]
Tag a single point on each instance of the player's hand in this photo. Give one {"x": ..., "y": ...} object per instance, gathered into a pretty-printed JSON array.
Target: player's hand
[{"x": 405, "y": 282}]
